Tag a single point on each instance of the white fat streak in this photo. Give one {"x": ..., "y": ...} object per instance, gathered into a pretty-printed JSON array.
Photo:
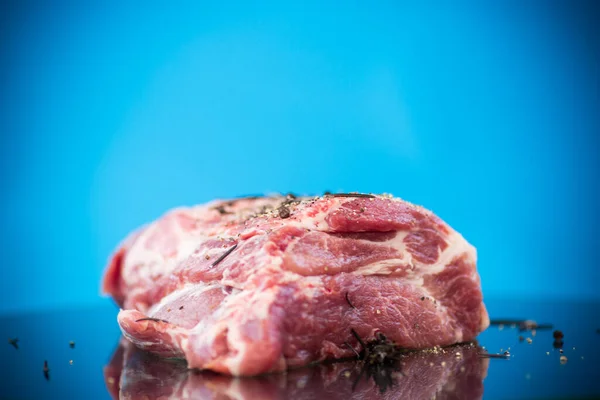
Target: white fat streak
[
  {"x": 317, "y": 222},
  {"x": 150, "y": 262},
  {"x": 457, "y": 246},
  {"x": 257, "y": 307},
  {"x": 188, "y": 287},
  {"x": 231, "y": 314}
]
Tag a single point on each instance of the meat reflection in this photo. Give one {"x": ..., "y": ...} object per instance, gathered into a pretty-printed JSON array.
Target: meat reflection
[{"x": 453, "y": 373}]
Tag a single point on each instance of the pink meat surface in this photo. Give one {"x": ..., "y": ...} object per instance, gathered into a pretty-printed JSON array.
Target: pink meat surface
[{"x": 258, "y": 285}]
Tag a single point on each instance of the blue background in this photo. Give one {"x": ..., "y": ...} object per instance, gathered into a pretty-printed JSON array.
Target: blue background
[{"x": 485, "y": 113}]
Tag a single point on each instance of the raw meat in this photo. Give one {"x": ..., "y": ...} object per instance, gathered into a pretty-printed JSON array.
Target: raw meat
[{"x": 257, "y": 285}]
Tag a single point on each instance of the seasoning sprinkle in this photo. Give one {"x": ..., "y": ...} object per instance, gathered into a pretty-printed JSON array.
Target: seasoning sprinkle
[
  {"x": 72, "y": 344},
  {"x": 348, "y": 300},
  {"x": 152, "y": 319},
  {"x": 369, "y": 196},
  {"x": 491, "y": 355},
  {"x": 221, "y": 209},
  {"x": 181, "y": 308},
  {"x": 14, "y": 342},
  {"x": 380, "y": 358},
  {"x": 284, "y": 212},
  {"x": 46, "y": 370},
  {"x": 558, "y": 335},
  {"x": 222, "y": 257}
]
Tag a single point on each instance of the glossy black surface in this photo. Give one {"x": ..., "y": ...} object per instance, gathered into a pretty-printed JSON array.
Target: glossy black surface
[{"x": 84, "y": 369}]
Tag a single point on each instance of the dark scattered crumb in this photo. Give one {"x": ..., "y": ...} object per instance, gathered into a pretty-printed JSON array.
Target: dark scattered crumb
[
  {"x": 505, "y": 355},
  {"x": 221, "y": 209},
  {"x": 380, "y": 360},
  {"x": 284, "y": 212},
  {"x": 558, "y": 344},
  {"x": 181, "y": 308},
  {"x": 14, "y": 342},
  {"x": 558, "y": 335},
  {"x": 46, "y": 370},
  {"x": 521, "y": 338},
  {"x": 422, "y": 298},
  {"x": 505, "y": 321},
  {"x": 72, "y": 344}
]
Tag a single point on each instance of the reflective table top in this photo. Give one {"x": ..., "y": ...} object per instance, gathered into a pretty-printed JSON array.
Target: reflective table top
[{"x": 87, "y": 358}]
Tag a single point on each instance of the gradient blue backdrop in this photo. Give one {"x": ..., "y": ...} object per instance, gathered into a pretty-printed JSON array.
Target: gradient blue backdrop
[{"x": 111, "y": 114}]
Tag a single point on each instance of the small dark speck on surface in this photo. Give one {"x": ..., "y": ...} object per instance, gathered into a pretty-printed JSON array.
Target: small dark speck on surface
[
  {"x": 72, "y": 344},
  {"x": 558, "y": 335},
  {"x": 284, "y": 212},
  {"x": 14, "y": 342},
  {"x": 181, "y": 308},
  {"x": 489, "y": 355},
  {"x": 46, "y": 370}
]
